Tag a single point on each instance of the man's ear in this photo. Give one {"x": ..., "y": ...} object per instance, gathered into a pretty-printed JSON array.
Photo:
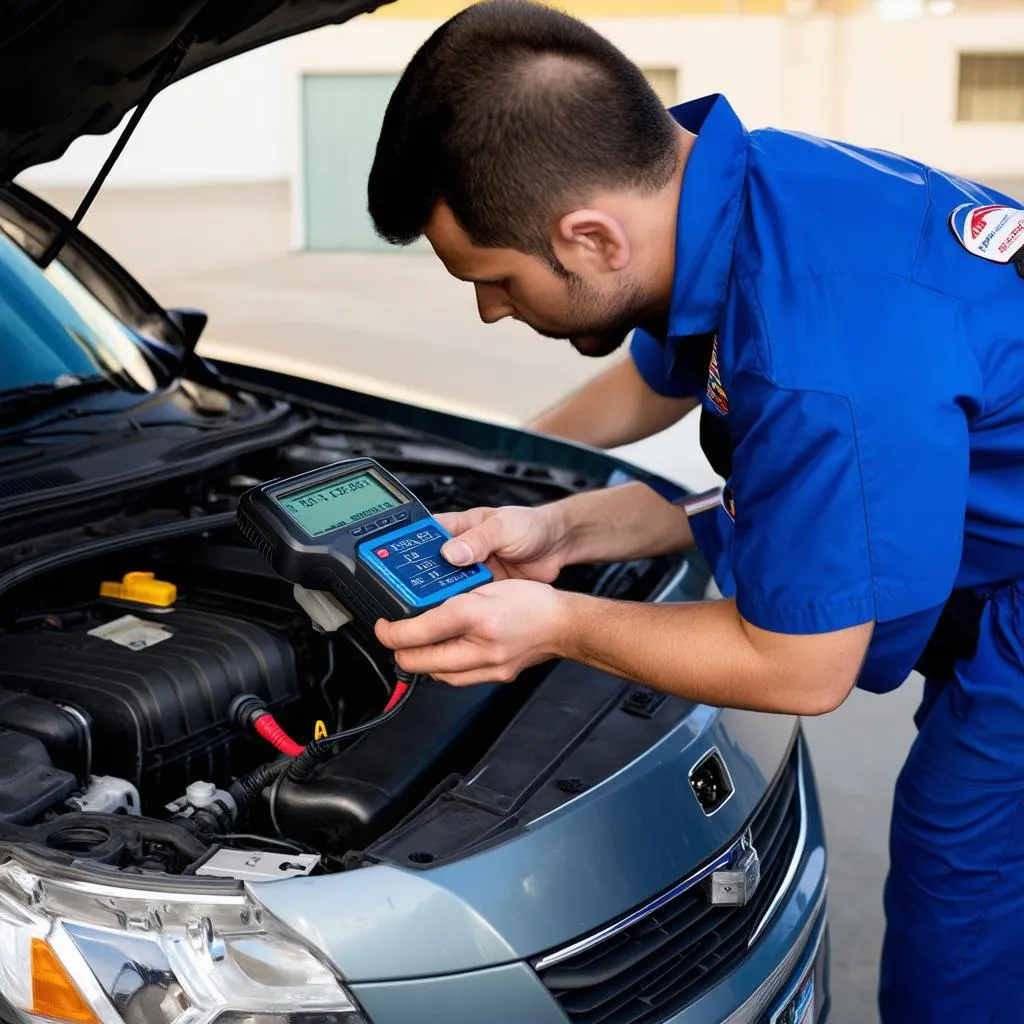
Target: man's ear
[{"x": 591, "y": 240}]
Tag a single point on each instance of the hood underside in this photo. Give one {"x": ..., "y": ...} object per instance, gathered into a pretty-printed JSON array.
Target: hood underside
[{"x": 76, "y": 67}]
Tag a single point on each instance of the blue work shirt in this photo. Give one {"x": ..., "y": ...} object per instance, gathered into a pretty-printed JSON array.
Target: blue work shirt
[{"x": 869, "y": 365}]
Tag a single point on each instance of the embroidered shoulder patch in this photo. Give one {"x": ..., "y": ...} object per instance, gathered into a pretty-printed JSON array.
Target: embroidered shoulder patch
[
  {"x": 715, "y": 390},
  {"x": 994, "y": 233}
]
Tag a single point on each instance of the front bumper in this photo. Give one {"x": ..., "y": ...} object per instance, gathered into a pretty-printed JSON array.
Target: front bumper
[
  {"x": 790, "y": 941},
  {"x": 793, "y": 942}
]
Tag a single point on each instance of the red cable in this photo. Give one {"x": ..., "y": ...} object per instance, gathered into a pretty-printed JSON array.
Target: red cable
[
  {"x": 396, "y": 695},
  {"x": 276, "y": 736},
  {"x": 266, "y": 727}
]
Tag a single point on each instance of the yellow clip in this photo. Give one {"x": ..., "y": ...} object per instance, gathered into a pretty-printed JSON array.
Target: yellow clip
[
  {"x": 320, "y": 731},
  {"x": 142, "y": 587}
]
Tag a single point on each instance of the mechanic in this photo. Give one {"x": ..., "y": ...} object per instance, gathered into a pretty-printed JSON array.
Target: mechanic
[{"x": 867, "y": 366}]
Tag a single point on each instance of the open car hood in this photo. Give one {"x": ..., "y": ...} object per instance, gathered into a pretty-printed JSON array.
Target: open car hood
[{"x": 76, "y": 67}]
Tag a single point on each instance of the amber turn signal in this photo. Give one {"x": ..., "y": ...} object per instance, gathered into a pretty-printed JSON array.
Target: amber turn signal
[{"x": 54, "y": 994}]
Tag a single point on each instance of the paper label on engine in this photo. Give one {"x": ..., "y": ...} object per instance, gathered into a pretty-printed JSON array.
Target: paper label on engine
[{"x": 131, "y": 632}]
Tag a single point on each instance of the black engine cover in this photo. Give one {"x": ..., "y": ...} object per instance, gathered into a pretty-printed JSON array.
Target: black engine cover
[{"x": 159, "y": 713}]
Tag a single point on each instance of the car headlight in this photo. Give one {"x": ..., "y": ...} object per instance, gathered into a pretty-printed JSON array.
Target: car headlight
[{"x": 96, "y": 954}]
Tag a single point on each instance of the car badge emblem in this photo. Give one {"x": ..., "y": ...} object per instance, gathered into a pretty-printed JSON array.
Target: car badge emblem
[{"x": 735, "y": 885}]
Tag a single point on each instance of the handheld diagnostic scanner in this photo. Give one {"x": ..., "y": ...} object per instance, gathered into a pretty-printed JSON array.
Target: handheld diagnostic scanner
[{"x": 353, "y": 530}]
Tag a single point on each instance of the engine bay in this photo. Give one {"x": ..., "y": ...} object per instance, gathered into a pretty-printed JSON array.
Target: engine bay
[{"x": 127, "y": 643}]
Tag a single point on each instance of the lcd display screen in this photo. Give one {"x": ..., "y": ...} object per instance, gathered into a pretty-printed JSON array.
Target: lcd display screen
[{"x": 339, "y": 502}]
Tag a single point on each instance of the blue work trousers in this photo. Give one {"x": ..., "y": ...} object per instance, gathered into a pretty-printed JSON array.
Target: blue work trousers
[{"x": 954, "y": 897}]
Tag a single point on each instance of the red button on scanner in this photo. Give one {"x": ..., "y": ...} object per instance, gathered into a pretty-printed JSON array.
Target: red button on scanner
[{"x": 382, "y": 552}]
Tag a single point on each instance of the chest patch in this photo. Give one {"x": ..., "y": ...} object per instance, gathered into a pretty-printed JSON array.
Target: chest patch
[
  {"x": 994, "y": 233},
  {"x": 716, "y": 393}
]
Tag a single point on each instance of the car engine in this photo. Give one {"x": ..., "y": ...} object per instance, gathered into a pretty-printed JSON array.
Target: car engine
[{"x": 126, "y": 645}]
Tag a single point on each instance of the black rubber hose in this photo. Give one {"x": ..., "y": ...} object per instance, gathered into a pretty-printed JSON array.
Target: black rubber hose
[
  {"x": 319, "y": 751},
  {"x": 248, "y": 787}
]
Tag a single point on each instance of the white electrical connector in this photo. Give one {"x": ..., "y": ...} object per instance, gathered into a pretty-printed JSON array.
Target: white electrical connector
[{"x": 324, "y": 609}]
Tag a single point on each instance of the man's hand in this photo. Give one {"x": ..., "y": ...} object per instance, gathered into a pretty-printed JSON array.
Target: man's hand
[
  {"x": 616, "y": 523},
  {"x": 495, "y": 632},
  {"x": 513, "y": 542},
  {"x": 487, "y": 636}
]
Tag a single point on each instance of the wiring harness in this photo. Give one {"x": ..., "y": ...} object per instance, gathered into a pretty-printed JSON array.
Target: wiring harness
[{"x": 299, "y": 762}]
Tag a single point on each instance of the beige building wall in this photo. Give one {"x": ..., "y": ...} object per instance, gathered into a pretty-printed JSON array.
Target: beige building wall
[
  {"x": 867, "y": 79},
  {"x": 892, "y": 84},
  {"x": 859, "y": 76}
]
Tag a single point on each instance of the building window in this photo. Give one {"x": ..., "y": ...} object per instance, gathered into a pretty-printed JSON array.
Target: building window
[
  {"x": 991, "y": 87},
  {"x": 664, "y": 81}
]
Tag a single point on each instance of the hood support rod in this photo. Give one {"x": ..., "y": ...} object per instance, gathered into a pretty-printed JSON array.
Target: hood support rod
[{"x": 165, "y": 72}]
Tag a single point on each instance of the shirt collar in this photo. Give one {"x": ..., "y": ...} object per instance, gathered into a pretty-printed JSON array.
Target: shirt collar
[{"x": 710, "y": 205}]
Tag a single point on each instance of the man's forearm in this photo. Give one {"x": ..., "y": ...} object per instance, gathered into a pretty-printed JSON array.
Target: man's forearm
[
  {"x": 703, "y": 652},
  {"x": 630, "y": 521},
  {"x": 614, "y": 409}
]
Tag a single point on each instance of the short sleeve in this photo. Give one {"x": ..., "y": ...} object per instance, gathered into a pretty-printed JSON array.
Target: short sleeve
[
  {"x": 664, "y": 368},
  {"x": 851, "y": 472},
  {"x": 713, "y": 533}
]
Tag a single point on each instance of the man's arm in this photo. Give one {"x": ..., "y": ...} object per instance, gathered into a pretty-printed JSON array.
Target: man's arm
[
  {"x": 704, "y": 652},
  {"x": 708, "y": 653},
  {"x": 614, "y": 409},
  {"x": 609, "y": 525}
]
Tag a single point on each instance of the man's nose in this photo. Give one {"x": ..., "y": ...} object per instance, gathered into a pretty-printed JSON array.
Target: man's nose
[{"x": 492, "y": 304}]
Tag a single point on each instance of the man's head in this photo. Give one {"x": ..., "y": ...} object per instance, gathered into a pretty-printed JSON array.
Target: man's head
[{"x": 540, "y": 165}]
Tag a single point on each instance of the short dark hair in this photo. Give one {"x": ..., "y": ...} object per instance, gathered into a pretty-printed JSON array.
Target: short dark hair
[{"x": 512, "y": 113}]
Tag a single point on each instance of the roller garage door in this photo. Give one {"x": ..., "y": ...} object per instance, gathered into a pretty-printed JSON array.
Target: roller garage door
[{"x": 341, "y": 119}]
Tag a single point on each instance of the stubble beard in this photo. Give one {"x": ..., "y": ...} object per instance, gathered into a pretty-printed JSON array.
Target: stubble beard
[{"x": 598, "y": 325}]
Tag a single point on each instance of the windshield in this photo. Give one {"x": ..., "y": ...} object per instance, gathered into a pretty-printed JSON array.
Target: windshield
[{"x": 51, "y": 326}]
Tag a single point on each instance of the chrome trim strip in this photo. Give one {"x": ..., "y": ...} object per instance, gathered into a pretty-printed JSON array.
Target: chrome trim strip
[
  {"x": 152, "y": 895},
  {"x": 768, "y": 991},
  {"x": 581, "y": 945},
  {"x": 723, "y": 859},
  {"x": 710, "y": 752},
  {"x": 794, "y": 861},
  {"x": 782, "y": 998}
]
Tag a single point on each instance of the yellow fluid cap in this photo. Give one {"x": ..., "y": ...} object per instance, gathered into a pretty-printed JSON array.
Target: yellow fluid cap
[{"x": 142, "y": 587}]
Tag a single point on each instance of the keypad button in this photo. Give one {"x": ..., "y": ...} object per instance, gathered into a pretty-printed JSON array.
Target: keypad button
[{"x": 359, "y": 531}]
